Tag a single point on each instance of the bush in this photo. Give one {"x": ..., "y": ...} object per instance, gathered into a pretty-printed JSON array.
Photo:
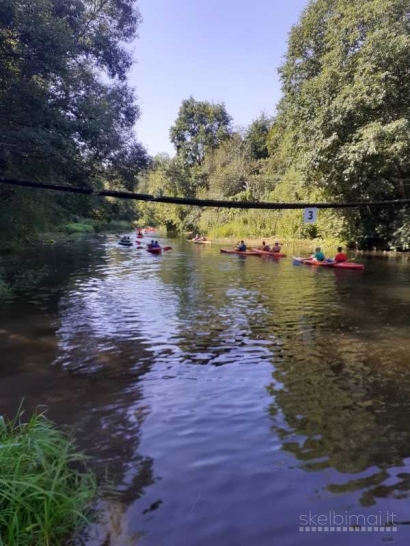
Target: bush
[
  {"x": 45, "y": 491},
  {"x": 82, "y": 228},
  {"x": 233, "y": 229},
  {"x": 114, "y": 226}
]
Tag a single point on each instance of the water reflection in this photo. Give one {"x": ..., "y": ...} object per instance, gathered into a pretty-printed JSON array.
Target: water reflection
[
  {"x": 340, "y": 402},
  {"x": 222, "y": 396}
]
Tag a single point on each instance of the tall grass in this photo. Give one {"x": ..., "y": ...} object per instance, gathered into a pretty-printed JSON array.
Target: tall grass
[{"x": 45, "y": 491}]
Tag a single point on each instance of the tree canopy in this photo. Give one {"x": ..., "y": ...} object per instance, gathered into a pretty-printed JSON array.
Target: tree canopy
[
  {"x": 257, "y": 136},
  {"x": 345, "y": 105},
  {"x": 66, "y": 111},
  {"x": 340, "y": 133},
  {"x": 200, "y": 126}
]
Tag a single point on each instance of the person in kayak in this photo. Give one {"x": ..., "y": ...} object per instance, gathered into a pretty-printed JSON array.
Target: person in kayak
[
  {"x": 340, "y": 256},
  {"x": 276, "y": 247},
  {"x": 318, "y": 255},
  {"x": 241, "y": 247},
  {"x": 264, "y": 247},
  {"x": 155, "y": 245}
]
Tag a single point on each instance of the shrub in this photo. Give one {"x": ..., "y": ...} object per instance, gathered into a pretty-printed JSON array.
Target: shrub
[{"x": 83, "y": 228}]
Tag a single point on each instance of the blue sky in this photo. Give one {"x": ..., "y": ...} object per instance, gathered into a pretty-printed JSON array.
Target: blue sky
[{"x": 218, "y": 50}]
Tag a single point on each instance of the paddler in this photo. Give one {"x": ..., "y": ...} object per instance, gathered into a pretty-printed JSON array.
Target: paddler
[
  {"x": 276, "y": 247},
  {"x": 318, "y": 256},
  {"x": 241, "y": 247},
  {"x": 340, "y": 256},
  {"x": 264, "y": 247}
]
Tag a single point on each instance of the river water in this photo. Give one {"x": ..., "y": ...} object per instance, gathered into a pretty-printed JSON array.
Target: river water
[{"x": 226, "y": 399}]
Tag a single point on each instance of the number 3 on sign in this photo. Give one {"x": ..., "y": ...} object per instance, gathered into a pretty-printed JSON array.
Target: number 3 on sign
[{"x": 310, "y": 216}]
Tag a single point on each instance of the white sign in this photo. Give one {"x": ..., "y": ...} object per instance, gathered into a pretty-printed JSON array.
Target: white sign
[{"x": 310, "y": 216}]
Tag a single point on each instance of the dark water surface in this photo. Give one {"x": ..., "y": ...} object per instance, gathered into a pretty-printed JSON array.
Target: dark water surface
[{"x": 224, "y": 397}]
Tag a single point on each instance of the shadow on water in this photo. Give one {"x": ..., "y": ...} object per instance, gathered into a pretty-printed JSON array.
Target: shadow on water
[{"x": 222, "y": 396}]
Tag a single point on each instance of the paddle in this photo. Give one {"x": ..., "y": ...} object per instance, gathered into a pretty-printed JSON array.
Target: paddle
[
  {"x": 298, "y": 260},
  {"x": 165, "y": 248}
]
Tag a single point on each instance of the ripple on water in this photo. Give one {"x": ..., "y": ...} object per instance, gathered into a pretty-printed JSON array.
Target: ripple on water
[{"x": 225, "y": 396}]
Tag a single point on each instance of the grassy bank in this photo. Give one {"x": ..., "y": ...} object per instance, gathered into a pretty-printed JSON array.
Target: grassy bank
[
  {"x": 74, "y": 230},
  {"x": 71, "y": 230},
  {"x": 297, "y": 243},
  {"x": 45, "y": 489},
  {"x": 92, "y": 226},
  {"x": 288, "y": 245}
]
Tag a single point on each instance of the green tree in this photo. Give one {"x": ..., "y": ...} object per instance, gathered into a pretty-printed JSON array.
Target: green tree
[
  {"x": 171, "y": 177},
  {"x": 200, "y": 126},
  {"x": 257, "y": 136},
  {"x": 66, "y": 111},
  {"x": 345, "y": 109}
]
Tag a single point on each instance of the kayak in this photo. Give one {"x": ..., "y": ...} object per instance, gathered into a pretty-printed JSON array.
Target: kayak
[
  {"x": 269, "y": 253},
  {"x": 200, "y": 242},
  {"x": 340, "y": 265},
  {"x": 155, "y": 250},
  {"x": 140, "y": 236},
  {"x": 123, "y": 243},
  {"x": 240, "y": 252}
]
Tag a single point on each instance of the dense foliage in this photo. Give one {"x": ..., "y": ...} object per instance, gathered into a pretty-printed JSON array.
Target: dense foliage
[
  {"x": 345, "y": 107},
  {"x": 199, "y": 127},
  {"x": 66, "y": 111},
  {"x": 341, "y": 131}
]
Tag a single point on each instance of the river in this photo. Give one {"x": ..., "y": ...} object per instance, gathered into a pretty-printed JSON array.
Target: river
[{"x": 226, "y": 399}]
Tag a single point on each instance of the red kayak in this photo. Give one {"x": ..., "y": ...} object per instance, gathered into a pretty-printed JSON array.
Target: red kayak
[
  {"x": 240, "y": 252},
  {"x": 340, "y": 265},
  {"x": 155, "y": 250},
  {"x": 269, "y": 253}
]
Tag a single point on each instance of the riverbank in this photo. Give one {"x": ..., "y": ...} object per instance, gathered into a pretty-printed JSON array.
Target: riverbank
[
  {"x": 69, "y": 231},
  {"x": 286, "y": 243},
  {"x": 46, "y": 489},
  {"x": 328, "y": 245}
]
